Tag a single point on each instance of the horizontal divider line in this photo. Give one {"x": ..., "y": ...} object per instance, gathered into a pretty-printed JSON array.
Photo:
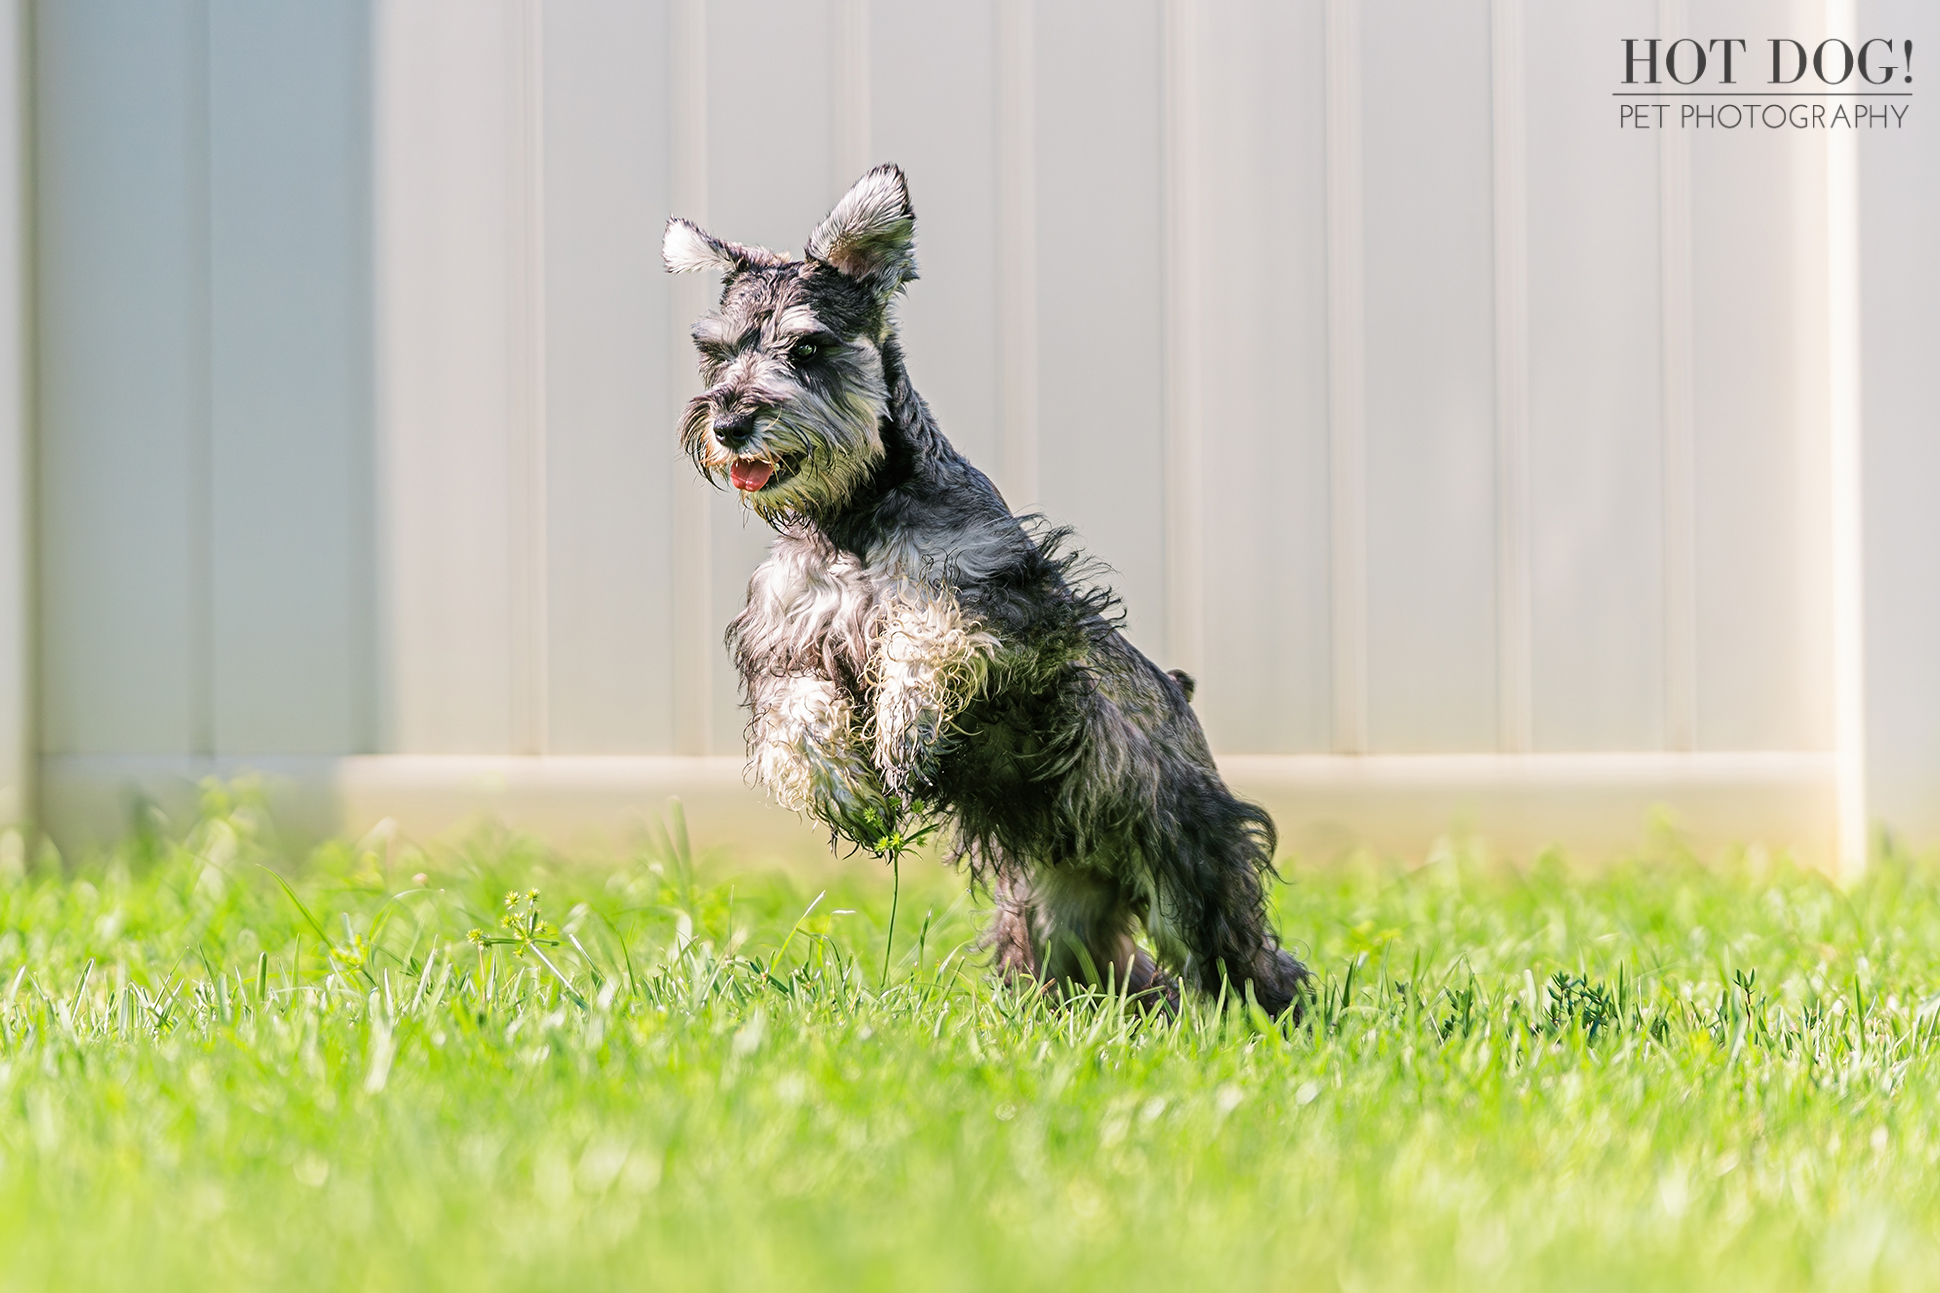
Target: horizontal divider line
[
  {"x": 1760, "y": 94},
  {"x": 1514, "y": 805},
  {"x": 494, "y": 772}
]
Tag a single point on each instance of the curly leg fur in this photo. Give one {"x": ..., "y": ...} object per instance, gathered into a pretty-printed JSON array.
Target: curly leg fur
[
  {"x": 803, "y": 746},
  {"x": 930, "y": 662}
]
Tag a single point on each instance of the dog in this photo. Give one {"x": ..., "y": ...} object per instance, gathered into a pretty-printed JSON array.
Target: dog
[{"x": 911, "y": 650}]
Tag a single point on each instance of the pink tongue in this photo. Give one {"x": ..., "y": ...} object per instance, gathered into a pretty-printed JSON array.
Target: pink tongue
[{"x": 750, "y": 474}]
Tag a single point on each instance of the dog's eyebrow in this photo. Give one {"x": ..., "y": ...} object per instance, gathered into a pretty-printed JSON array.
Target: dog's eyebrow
[
  {"x": 797, "y": 321},
  {"x": 712, "y": 335}
]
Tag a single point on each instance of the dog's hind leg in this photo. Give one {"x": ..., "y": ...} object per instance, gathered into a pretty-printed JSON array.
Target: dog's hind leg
[
  {"x": 1081, "y": 927},
  {"x": 1066, "y": 928},
  {"x": 1008, "y": 938},
  {"x": 1083, "y": 923},
  {"x": 1150, "y": 985},
  {"x": 1229, "y": 947},
  {"x": 1210, "y": 922}
]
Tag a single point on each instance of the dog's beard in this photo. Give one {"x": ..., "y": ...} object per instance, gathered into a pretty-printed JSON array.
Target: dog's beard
[{"x": 820, "y": 450}]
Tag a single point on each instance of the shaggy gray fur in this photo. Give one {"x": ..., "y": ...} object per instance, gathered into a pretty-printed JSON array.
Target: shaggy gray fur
[{"x": 911, "y": 642}]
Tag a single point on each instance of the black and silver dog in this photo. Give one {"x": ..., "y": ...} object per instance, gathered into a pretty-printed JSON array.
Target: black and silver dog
[{"x": 909, "y": 642}]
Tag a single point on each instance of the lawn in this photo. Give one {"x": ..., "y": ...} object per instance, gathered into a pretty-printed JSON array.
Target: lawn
[{"x": 224, "y": 1067}]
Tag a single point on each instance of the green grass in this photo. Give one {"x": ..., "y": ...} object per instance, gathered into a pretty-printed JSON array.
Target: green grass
[{"x": 1656, "y": 1076}]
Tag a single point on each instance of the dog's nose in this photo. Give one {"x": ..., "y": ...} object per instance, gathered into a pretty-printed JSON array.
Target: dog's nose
[{"x": 735, "y": 429}]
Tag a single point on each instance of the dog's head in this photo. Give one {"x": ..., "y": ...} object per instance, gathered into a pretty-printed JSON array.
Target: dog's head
[{"x": 793, "y": 357}]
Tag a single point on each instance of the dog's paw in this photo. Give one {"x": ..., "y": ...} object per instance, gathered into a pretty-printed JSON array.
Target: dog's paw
[
  {"x": 908, "y": 751},
  {"x": 863, "y": 815}
]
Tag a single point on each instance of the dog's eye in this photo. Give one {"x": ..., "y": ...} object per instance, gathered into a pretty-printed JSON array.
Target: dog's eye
[{"x": 805, "y": 350}]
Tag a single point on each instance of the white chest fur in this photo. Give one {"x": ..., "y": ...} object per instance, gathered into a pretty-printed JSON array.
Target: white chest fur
[{"x": 891, "y": 625}]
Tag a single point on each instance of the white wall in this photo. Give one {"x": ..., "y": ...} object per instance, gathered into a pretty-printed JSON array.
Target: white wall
[
  {"x": 1419, "y": 409},
  {"x": 1900, "y": 267},
  {"x": 204, "y": 343}
]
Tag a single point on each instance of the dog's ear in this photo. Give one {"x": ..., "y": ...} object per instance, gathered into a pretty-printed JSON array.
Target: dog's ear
[
  {"x": 688, "y": 248},
  {"x": 871, "y": 234}
]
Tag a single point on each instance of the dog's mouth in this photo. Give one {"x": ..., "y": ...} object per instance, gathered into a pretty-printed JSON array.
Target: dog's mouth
[{"x": 752, "y": 475}]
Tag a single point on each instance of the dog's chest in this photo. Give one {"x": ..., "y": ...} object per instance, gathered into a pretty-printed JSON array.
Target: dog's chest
[
  {"x": 809, "y": 602},
  {"x": 810, "y": 605}
]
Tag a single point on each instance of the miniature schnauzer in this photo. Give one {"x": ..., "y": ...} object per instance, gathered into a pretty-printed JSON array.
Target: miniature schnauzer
[{"x": 911, "y": 647}]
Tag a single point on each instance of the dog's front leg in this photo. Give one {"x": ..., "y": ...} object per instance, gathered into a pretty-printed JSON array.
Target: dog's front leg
[
  {"x": 805, "y": 748},
  {"x": 930, "y": 661}
]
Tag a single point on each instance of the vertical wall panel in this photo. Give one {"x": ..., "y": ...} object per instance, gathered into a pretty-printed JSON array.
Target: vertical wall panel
[
  {"x": 123, "y": 241},
  {"x": 447, "y": 262},
  {"x": 290, "y": 393},
  {"x": 1430, "y": 377},
  {"x": 1899, "y": 203},
  {"x": 1752, "y": 294},
  {"x": 612, "y": 460},
  {"x": 933, "y": 78},
  {"x": 1265, "y": 683},
  {"x": 1761, "y": 470},
  {"x": 1595, "y": 396},
  {"x": 1100, "y": 279},
  {"x": 18, "y": 776},
  {"x": 769, "y": 97},
  {"x": 17, "y": 508}
]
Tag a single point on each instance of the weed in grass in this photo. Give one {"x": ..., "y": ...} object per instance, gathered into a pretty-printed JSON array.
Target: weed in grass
[
  {"x": 903, "y": 832},
  {"x": 1658, "y": 1076}
]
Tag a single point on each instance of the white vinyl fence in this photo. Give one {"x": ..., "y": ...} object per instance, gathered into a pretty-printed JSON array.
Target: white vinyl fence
[{"x": 1493, "y": 466}]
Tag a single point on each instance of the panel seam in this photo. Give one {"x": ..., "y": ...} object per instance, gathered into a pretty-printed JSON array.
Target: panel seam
[{"x": 1346, "y": 378}]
